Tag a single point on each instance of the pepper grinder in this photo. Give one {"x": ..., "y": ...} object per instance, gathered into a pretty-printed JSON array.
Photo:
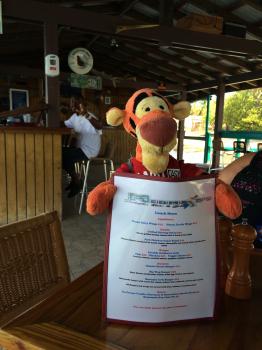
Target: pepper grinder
[{"x": 238, "y": 283}]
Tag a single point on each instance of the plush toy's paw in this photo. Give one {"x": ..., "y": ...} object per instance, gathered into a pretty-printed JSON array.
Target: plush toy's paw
[
  {"x": 99, "y": 198},
  {"x": 228, "y": 201}
]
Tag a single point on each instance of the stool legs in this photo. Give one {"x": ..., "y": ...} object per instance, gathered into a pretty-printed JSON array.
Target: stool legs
[
  {"x": 84, "y": 186},
  {"x": 112, "y": 165},
  {"x": 105, "y": 169},
  {"x": 85, "y": 170}
]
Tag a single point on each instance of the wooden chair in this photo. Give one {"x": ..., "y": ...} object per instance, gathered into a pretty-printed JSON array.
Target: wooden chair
[
  {"x": 106, "y": 159},
  {"x": 33, "y": 264}
]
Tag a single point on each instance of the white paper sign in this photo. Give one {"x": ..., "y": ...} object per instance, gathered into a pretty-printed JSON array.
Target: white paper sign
[{"x": 162, "y": 251}]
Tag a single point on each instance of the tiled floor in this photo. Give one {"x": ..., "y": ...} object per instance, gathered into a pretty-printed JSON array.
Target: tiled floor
[
  {"x": 84, "y": 240},
  {"x": 84, "y": 235}
]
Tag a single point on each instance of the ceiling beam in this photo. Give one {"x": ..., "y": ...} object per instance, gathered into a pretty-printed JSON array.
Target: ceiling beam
[
  {"x": 210, "y": 7},
  {"x": 254, "y": 4},
  {"x": 150, "y": 67},
  {"x": 166, "y": 8},
  {"x": 236, "y": 5},
  {"x": 99, "y": 23},
  {"x": 37, "y": 11},
  {"x": 176, "y": 58},
  {"x": 127, "y": 6},
  {"x": 177, "y": 16},
  {"x": 211, "y": 62},
  {"x": 158, "y": 63},
  {"x": 236, "y": 79},
  {"x": 176, "y": 37}
]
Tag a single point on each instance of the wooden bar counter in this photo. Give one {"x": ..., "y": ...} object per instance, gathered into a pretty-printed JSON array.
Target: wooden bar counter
[
  {"x": 71, "y": 319},
  {"x": 30, "y": 172}
]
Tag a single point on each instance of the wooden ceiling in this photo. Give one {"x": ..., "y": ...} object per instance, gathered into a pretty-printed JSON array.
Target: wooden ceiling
[{"x": 183, "y": 60}]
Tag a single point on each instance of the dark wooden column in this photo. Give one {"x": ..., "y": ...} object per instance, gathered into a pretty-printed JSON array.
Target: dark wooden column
[
  {"x": 181, "y": 133},
  {"x": 166, "y": 8},
  {"x": 52, "y": 93},
  {"x": 218, "y": 124}
]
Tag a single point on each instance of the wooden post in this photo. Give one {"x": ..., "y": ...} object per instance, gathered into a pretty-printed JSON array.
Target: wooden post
[
  {"x": 52, "y": 93},
  {"x": 225, "y": 227},
  {"x": 218, "y": 122},
  {"x": 238, "y": 284},
  {"x": 181, "y": 133},
  {"x": 166, "y": 8}
]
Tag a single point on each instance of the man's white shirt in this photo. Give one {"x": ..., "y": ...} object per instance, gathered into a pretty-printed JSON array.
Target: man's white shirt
[{"x": 88, "y": 138}]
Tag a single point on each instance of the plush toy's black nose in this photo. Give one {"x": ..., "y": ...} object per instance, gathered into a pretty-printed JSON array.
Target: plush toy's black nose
[{"x": 158, "y": 128}]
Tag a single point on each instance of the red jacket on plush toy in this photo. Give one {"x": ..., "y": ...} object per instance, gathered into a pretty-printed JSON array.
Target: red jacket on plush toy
[{"x": 149, "y": 117}]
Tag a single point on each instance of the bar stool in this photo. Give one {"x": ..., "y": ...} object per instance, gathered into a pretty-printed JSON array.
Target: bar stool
[
  {"x": 259, "y": 146},
  {"x": 106, "y": 159},
  {"x": 218, "y": 145},
  {"x": 239, "y": 147}
]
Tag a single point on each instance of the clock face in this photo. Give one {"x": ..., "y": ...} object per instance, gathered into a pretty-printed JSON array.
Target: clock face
[{"x": 80, "y": 60}]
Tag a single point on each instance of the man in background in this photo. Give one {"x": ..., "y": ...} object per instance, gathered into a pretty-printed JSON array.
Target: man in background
[{"x": 87, "y": 130}]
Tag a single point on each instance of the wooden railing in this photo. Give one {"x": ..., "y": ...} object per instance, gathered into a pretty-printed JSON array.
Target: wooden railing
[
  {"x": 40, "y": 107},
  {"x": 125, "y": 144}
]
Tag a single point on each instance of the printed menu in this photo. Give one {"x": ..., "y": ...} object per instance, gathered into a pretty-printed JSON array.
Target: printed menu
[{"x": 161, "y": 263}]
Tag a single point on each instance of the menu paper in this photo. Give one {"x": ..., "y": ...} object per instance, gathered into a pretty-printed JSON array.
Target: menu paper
[{"x": 161, "y": 255}]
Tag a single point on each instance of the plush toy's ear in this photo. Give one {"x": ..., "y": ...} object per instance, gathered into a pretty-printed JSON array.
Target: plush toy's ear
[
  {"x": 115, "y": 116},
  {"x": 181, "y": 110}
]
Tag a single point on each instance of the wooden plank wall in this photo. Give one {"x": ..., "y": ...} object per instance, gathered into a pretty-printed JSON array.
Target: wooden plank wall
[
  {"x": 125, "y": 144},
  {"x": 30, "y": 175}
]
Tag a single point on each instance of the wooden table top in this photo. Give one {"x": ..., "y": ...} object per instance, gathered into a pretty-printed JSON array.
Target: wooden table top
[{"x": 78, "y": 307}]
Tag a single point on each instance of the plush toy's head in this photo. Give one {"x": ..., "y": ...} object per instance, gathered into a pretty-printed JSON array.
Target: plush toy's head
[{"x": 149, "y": 117}]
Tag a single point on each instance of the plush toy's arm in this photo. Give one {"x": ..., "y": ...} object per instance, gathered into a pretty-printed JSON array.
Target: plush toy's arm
[
  {"x": 99, "y": 198},
  {"x": 227, "y": 200}
]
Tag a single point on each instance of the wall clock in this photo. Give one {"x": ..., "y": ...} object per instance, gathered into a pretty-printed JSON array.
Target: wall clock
[{"x": 80, "y": 60}]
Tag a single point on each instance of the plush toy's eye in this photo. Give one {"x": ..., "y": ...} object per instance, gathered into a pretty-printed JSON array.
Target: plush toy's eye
[
  {"x": 147, "y": 109},
  {"x": 161, "y": 107}
]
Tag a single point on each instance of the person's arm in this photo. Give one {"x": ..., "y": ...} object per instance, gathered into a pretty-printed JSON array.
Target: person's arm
[
  {"x": 229, "y": 172},
  {"x": 69, "y": 122}
]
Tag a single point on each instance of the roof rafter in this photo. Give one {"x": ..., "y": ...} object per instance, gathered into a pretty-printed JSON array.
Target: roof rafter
[
  {"x": 144, "y": 64},
  {"x": 207, "y": 61},
  {"x": 99, "y": 23},
  {"x": 176, "y": 58}
]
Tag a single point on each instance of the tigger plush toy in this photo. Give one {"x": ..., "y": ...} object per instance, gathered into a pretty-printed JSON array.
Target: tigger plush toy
[{"x": 149, "y": 117}]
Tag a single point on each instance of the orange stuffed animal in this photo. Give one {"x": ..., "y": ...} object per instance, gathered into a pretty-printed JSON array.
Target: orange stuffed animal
[{"x": 149, "y": 117}]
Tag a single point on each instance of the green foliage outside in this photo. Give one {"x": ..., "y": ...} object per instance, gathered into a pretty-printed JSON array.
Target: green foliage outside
[{"x": 242, "y": 110}]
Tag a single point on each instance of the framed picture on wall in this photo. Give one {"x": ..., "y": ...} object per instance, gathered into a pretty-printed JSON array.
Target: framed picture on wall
[
  {"x": 107, "y": 100},
  {"x": 18, "y": 98}
]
